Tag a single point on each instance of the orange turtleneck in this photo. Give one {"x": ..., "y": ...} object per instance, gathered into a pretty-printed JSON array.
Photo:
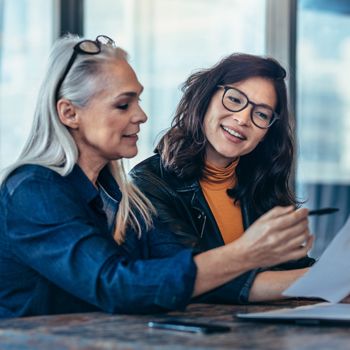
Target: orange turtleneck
[{"x": 228, "y": 216}]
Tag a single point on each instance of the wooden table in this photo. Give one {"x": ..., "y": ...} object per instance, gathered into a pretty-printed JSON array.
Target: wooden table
[{"x": 103, "y": 331}]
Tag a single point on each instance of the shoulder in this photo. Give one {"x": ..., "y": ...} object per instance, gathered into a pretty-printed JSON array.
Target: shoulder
[
  {"x": 150, "y": 175},
  {"x": 153, "y": 168},
  {"x": 152, "y": 165},
  {"x": 38, "y": 194},
  {"x": 28, "y": 191},
  {"x": 153, "y": 179},
  {"x": 30, "y": 184},
  {"x": 29, "y": 174}
]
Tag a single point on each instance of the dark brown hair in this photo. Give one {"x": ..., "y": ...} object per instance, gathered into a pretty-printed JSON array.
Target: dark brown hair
[{"x": 263, "y": 174}]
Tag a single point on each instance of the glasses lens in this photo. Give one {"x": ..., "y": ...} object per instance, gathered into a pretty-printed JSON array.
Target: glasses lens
[
  {"x": 263, "y": 116},
  {"x": 105, "y": 40},
  {"x": 89, "y": 46},
  {"x": 234, "y": 100}
]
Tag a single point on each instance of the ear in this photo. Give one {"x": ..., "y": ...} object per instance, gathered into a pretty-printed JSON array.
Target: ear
[{"x": 67, "y": 113}]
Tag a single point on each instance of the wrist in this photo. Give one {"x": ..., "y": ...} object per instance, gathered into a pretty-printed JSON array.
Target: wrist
[{"x": 242, "y": 254}]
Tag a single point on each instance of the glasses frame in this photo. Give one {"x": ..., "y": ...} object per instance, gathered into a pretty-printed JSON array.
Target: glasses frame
[
  {"x": 227, "y": 88},
  {"x": 79, "y": 49}
]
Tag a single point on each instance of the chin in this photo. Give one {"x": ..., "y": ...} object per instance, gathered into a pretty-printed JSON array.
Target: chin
[
  {"x": 128, "y": 155},
  {"x": 229, "y": 155}
]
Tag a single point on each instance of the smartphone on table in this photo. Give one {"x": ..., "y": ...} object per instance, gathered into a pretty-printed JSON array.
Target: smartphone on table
[{"x": 186, "y": 326}]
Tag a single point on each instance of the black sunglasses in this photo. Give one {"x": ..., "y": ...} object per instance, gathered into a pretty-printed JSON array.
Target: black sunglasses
[{"x": 86, "y": 47}]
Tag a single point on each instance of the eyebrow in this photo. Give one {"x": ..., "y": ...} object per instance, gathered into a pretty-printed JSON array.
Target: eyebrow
[
  {"x": 127, "y": 94},
  {"x": 244, "y": 93},
  {"x": 263, "y": 105},
  {"x": 131, "y": 93}
]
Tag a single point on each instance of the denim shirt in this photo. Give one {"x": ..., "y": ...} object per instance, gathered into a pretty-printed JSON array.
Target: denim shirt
[{"x": 58, "y": 255}]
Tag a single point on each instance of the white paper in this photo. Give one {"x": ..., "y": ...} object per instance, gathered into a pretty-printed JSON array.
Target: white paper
[
  {"x": 321, "y": 311},
  {"x": 329, "y": 277}
]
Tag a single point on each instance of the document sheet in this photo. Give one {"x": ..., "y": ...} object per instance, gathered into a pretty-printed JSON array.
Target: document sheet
[
  {"x": 329, "y": 277},
  {"x": 321, "y": 311}
]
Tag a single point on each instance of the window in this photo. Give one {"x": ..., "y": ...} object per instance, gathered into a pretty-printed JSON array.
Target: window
[
  {"x": 169, "y": 39},
  {"x": 26, "y": 34},
  {"x": 323, "y": 113}
]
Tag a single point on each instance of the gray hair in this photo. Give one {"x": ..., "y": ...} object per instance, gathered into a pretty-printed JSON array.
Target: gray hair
[{"x": 50, "y": 144}]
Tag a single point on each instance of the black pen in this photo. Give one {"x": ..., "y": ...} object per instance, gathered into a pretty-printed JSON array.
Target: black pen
[{"x": 323, "y": 211}]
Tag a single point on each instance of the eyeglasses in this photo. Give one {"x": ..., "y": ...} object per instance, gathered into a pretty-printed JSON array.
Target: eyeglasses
[
  {"x": 235, "y": 100},
  {"x": 86, "y": 47}
]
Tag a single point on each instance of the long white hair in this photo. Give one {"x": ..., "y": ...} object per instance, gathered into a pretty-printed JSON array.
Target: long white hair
[{"x": 50, "y": 144}]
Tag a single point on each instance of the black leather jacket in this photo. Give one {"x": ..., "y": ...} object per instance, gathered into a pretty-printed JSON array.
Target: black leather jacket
[{"x": 182, "y": 207}]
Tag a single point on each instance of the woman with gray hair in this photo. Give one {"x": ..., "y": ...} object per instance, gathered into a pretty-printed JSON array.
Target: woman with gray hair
[{"x": 76, "y": 235}]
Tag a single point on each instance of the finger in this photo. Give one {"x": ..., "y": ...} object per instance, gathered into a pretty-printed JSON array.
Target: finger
[
  {"x": 302, "y": 212},
  {"x": 294, "y": 255},
  {"x": 291, "y": 219},
  {"x": 301, "y": 251},
  {"x": 281, "y": 236},
  {"x": 299, "y": 229},
  {"x": 278, "y": 211},
  {"x": 298, "y": 245},
  {"x": 310, "y": 242},
  {"x": 298, "y": 240}
]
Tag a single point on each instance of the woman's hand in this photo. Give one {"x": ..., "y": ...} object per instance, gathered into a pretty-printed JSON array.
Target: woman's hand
[{"x": 280, "y": 235}]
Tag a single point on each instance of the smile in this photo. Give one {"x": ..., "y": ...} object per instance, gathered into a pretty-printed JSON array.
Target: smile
[
  {"x": 234, "y": 133},
  {"x": 131, "y": 135}
]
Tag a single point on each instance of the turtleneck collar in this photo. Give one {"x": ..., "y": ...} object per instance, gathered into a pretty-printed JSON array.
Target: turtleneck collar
[{"x": 220, "y": 177}]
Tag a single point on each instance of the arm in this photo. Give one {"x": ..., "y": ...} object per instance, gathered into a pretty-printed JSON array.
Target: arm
[
  {"x": 55, "y": 235},
  {"x": 280, "y": 235},
  {"x": 243, "y": 273},
  {"x": 269, "y": 285},
  {"x": 176, "y": 217}
]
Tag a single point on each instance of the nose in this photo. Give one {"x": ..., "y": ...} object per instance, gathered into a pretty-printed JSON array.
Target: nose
[
  {"x": 243, "y": 117},
  {"x": 139, "y": 116}
]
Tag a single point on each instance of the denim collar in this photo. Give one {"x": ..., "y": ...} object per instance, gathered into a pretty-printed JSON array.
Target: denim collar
[
  {"x": 108, "y": 182},
  {"x": 86, "y": 188}
]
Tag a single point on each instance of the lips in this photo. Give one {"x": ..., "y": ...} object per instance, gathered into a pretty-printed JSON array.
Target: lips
[
  {"x": 131, "y": 135},
  {"x": 234, "y": 133}
]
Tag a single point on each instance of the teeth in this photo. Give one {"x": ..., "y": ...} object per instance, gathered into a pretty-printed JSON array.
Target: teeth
[{"x": 234, "y": 133}]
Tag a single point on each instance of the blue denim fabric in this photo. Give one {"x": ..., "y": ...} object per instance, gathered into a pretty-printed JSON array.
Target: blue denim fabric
[{"x": 58, "y": 255}]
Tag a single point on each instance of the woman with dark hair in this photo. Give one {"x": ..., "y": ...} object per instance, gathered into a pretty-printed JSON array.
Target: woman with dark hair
[{"x": 224, "y": 163}]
